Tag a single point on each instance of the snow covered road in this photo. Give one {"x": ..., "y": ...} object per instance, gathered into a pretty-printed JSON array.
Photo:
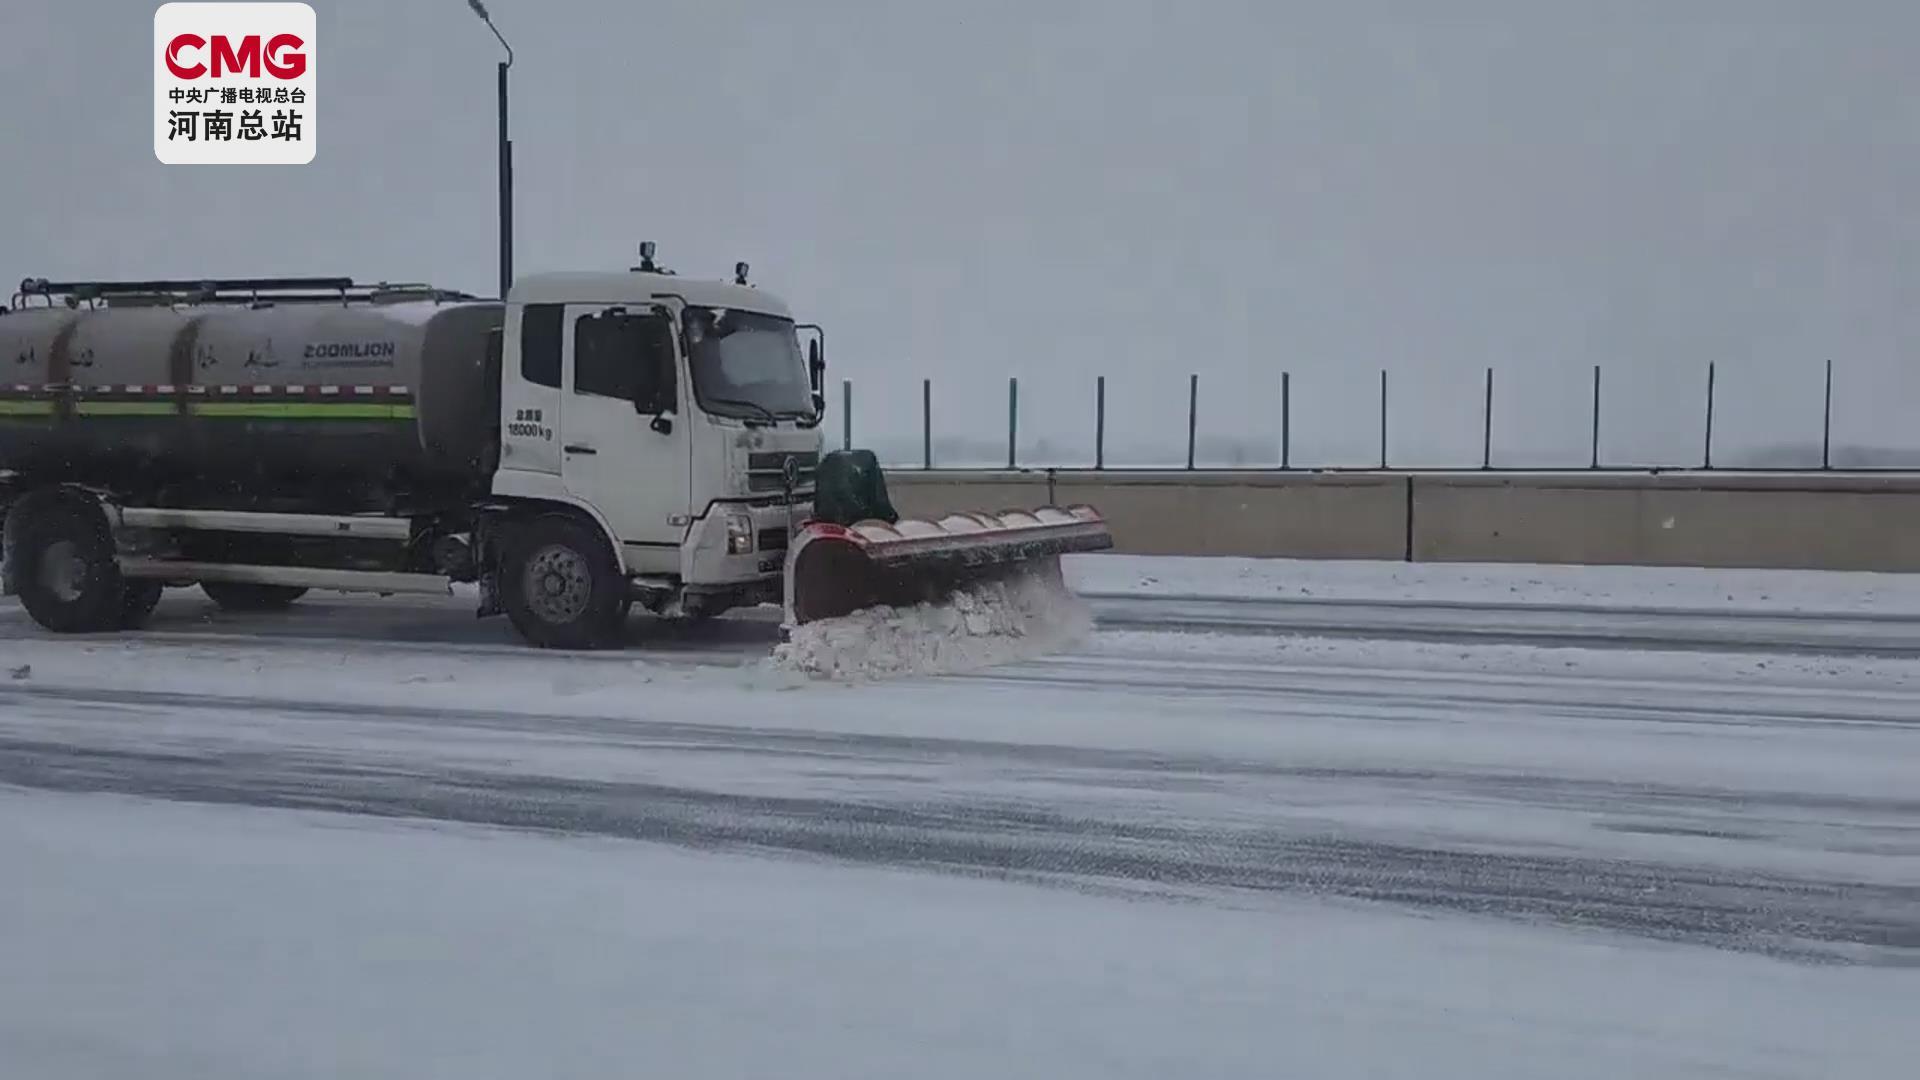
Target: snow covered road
[
  {"x": 1159, "y": 853},
  {"x": 1857, "y": 614}
]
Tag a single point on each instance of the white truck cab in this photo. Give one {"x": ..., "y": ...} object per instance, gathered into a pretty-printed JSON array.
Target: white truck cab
[{"x": 681, "y": 415}]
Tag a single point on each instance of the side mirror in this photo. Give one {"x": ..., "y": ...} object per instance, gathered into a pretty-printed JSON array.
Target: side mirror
[
  {"x": 662, "y": 424},
  {"x": 816, "y": 366}
]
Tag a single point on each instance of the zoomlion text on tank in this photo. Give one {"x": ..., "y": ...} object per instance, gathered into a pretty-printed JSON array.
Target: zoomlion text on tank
[
  {"x": 233, "y": 84},
  {"x": 348, "y": 354}
]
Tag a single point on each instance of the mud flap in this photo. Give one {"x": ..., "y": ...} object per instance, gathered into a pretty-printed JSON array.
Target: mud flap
[{"x": 486, "y": 561}]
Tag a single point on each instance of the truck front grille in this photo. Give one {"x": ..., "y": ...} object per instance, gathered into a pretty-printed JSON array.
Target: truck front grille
[{"x": 766, "y": 470}]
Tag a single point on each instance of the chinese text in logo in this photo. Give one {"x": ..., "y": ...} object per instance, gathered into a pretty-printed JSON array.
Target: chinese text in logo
[{"x": 233, "y": 84}]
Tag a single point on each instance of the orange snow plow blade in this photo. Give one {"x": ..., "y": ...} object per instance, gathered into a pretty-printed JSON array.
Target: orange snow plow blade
[{"x": 835, "y": 570}]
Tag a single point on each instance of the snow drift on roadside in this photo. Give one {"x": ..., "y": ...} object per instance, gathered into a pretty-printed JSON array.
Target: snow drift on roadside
[
  {"x": 1622, "y": 587},
  {"x": 991, "y": 622}
]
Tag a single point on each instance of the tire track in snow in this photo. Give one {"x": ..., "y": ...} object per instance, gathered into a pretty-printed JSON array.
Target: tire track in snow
[{"x": 1016, "y": 827}]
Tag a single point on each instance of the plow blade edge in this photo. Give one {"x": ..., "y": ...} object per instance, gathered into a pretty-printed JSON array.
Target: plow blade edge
[{"x": 835, "y": 570}]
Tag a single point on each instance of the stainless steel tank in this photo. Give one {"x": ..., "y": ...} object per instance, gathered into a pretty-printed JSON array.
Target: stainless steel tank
[{"x": 305, "y": 403}]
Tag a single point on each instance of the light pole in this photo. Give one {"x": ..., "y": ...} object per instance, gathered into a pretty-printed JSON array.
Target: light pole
[{"x": 506, "y": 157}]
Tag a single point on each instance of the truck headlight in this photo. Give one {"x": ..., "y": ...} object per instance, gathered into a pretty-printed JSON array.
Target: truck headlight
[{"x": 739, "y": 534}]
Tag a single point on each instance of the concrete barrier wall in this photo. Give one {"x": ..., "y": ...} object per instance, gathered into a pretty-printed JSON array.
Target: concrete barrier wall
[
  {"x": 1303, "y": 515},
  {"x": 1845, "y": 522},
  {"x": 1839, "y": 521}
]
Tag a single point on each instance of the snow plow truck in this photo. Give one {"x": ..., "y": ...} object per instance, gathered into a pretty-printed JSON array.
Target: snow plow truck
[{"x": 591, "y": 441}]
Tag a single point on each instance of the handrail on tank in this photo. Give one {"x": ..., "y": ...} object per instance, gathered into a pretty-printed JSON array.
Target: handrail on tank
[
  {"x": 176, "y": 291},
  {"x": 42, "y": 286}
]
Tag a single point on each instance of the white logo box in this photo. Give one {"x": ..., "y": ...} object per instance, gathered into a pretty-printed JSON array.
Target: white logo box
[{"x": 233, "y": 84}]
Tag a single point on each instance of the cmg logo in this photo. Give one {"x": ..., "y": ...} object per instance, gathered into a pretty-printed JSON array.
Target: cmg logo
[
  {"x": 281, "y": 56},
  {"x": 233, "y": 83}
]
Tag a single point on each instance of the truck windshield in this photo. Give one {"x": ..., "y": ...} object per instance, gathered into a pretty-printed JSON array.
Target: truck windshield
[{"x": 747, "y": 364}]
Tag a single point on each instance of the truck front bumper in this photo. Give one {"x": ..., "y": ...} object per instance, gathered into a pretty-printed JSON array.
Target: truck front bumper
[{"x": 737, "y": 544}]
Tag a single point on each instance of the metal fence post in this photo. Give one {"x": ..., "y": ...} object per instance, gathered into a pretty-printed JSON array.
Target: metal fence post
[
  {"x": 1596, "y": 416},
  {"x": 1486, "y": 433},
  {"x": 1193, "y": 415},
  {"x": 1826, "y": 424},
  {"x": 1707, "y": 458},
  {"x": 1383, "y": 418},
  {"x": 926, "y": 423},
  {"x": 1100, "y": 422},
  {"x": 846, "y": 414},
  {"x": 1013, "y": 418},
  {"x": 1286, "y": 420}
]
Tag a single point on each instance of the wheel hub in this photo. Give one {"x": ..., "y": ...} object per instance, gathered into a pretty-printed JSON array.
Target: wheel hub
[
  {"x": 559, "y": 584},
  {"x": 63, "y": 570}
]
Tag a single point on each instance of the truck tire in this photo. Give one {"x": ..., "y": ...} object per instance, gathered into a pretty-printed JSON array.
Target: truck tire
[
  {"x": 561, "y": 587},
  {"x": 141, "y": 598},
  {"x": 247, "y": 596},
  {"x": 65, "y": 570}
]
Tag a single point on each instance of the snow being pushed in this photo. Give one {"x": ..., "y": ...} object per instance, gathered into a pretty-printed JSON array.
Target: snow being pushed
[{"x": 1000, "y": 620}]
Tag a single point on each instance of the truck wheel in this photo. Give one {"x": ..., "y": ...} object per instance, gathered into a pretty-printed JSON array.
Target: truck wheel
[
  {"x": 246, "y": 596},
  {"x": 65, "y": 570},
  {"x": 141, "y": 598},
  {"x": 561, "y": 586}
]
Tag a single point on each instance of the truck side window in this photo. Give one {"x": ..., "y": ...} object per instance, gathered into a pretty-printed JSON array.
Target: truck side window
[
  {"x": 603, "y": 356},
  {"x": 540, "y": 344},
  {"x": 654, "y": 392},
  {"x": 625, "y": 356}
]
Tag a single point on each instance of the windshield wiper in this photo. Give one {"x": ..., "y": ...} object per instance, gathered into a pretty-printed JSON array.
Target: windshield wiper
[{"x": 772, "y": 417}]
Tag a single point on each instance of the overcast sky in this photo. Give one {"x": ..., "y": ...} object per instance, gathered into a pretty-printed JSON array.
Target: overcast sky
[{"x": 1137, "y": 188}]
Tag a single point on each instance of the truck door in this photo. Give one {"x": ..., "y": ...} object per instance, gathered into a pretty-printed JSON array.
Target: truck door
[{"x": 624, "y": 449}]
